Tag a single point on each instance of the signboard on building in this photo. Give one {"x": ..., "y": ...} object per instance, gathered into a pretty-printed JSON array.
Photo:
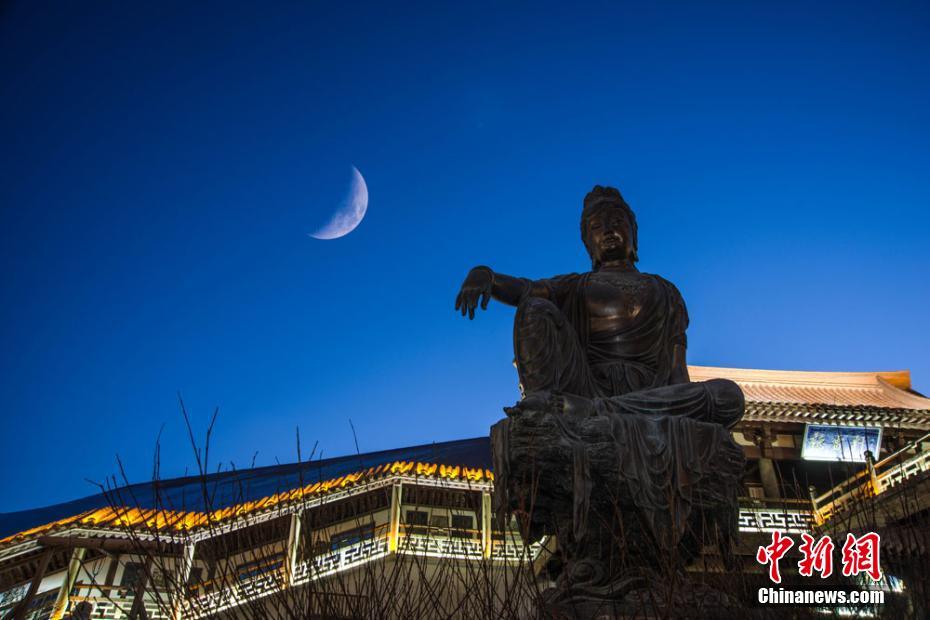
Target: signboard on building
[{"x": 828, "y": 442}]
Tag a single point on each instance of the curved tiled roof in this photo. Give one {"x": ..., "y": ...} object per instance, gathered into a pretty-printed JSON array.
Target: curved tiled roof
[
  {"x": 173, "y": 521},
  {"x": 185, "y": 496},
  {"x": 891, "y": 390}
]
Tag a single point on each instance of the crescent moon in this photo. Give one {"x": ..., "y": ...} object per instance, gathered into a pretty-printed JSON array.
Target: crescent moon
[{"x": 350, "y": 212}]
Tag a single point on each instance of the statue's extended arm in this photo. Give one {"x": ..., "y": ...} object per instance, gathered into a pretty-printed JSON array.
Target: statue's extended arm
[{"x": 482, "y": 283}]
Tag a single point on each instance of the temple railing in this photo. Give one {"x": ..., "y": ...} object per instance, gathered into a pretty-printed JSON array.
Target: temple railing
[
  {"x": 899, "y": 467},
  {"x": 353, "y": 556},
  {"x": 876, "y": 478},
  {"x": 117, "y": 604}
]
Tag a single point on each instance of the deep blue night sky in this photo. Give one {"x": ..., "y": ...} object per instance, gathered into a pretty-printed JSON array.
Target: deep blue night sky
[{"x": 161, "y": 167}]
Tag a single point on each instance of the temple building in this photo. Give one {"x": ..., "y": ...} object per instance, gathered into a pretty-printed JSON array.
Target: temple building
[{"x": 819, "y": 446}]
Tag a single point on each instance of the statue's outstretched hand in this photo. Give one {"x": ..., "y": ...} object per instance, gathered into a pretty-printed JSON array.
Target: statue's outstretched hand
[{"x": 475, "y": 288}]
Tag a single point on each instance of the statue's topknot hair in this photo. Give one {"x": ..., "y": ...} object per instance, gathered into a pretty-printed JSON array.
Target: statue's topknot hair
[
  {"x": 597, "y": 200},
  {"x": 603, "y": 194}
]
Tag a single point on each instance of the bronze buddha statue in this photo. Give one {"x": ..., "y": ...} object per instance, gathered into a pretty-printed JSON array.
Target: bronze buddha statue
[{"x": 610, "y": 438}]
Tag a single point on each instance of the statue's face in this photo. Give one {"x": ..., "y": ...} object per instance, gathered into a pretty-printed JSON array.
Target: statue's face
[{"x": 610, "y": 235}]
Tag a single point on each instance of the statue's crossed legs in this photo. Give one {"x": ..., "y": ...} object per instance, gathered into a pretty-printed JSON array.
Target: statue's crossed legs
[{"x": 550, "y": 358}]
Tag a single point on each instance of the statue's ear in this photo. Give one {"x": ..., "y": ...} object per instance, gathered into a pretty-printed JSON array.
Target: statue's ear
[{"x": 590, "y": 253}]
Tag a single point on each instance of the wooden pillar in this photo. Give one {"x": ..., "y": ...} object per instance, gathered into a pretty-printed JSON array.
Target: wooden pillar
[
  {"x": 108, "y": 590},
  {"x": 64, "y": 593},
  {"x": 138, "y": 596},
  {"x": 486, "y": 523},
  {"x": 184, "y": 573},
  {"x": 763, "y": 439},
  {"x": 815, "y": 508},
  {"x": 19, "y": 612},
  {"x": 873, "y": 475},
  {"x": 769, "y": 478},
  {"x": 293, "y": 546},
  {"x": 394, "y": 523}
]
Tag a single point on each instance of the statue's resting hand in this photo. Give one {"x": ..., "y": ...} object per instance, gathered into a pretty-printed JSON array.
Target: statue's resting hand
[
  {"x": 537, "y": 402},
  {"x": 555, "y": 403},
  {"x": 476, "y": 287}
]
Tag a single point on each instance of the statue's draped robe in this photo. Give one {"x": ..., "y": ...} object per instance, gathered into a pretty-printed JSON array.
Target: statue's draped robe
[{"x": 667, "y": 442}]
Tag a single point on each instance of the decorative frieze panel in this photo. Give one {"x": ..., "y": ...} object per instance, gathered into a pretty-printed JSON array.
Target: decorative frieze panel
[
  {"x": 341, "y": 559},
  {"x": 118, "y": 609},
  {"x": 769, "y": 520},
  {"x": 441, "y": 547}
]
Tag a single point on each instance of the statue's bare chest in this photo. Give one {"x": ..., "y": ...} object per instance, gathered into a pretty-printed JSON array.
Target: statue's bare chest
[{"x": 616, "y": 300}]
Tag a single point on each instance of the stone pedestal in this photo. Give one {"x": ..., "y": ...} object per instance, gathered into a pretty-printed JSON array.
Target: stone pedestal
[{"x": 632, "y": 500}]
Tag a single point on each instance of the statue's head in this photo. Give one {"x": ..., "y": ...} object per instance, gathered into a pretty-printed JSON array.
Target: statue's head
[{"x": 608, "y": 226}]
